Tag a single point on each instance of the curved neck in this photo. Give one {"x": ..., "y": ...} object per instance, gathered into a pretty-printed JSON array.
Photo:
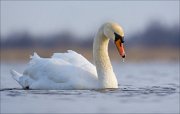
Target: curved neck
[{"x": 106, "y": 76}]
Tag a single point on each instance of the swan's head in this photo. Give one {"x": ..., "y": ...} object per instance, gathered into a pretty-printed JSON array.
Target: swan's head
[{"x": 115, "y": 32}]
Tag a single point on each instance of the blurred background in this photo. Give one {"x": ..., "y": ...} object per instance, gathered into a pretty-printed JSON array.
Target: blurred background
[
  {"x": 151, "y": 28},
  {"x": 149, "y": 78}
]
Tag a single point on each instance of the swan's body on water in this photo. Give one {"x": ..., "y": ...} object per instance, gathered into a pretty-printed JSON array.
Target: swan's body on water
[{"x": 71, "y": 70}]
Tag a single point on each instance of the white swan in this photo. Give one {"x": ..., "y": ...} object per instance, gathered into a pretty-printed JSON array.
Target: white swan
[{"x": 71, "y": 70}]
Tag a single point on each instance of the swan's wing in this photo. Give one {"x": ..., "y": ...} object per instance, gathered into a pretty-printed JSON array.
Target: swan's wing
[
  {"x": 75, "y": 59},
  {"x": 71, "y": 57},
  {"x": 62, "y": 71},
  {"x": 65, "y": 69}
]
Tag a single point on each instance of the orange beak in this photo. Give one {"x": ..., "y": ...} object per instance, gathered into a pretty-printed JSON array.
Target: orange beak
[{"x": 120, "y": 48}]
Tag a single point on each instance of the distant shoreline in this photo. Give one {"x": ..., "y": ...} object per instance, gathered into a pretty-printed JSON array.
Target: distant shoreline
[{"x": 133, "y": 54}]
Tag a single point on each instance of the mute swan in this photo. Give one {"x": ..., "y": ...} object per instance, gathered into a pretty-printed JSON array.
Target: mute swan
[{"x": 71, "y": 70}]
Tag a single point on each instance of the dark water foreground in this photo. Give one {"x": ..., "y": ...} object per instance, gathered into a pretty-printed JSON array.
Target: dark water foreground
[{"x": 144, "y": 88}]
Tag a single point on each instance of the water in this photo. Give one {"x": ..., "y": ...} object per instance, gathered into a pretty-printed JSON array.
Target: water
[{"x": 144, "y": 88}]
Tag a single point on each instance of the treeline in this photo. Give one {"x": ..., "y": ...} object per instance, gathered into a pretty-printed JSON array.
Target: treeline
[
  {"x": 155, "y": 35},
  {"x": 26, "y": 40}
]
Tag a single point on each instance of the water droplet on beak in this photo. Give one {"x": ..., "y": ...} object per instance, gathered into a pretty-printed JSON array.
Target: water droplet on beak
[{"x": 123, "y": 60}]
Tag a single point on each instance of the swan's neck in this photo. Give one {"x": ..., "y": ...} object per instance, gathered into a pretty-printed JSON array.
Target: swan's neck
[{"x": 106, "y": 76}]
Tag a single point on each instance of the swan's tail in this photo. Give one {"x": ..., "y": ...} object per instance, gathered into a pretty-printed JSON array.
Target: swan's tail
[{"x": 16, "y": 76}]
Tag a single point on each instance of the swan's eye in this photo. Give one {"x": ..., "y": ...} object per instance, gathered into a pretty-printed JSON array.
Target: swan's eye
[{"x": 119, "y": 37}]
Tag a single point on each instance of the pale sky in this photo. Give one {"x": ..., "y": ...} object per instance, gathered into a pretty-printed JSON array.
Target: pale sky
[{"x": 83, "y": 18}]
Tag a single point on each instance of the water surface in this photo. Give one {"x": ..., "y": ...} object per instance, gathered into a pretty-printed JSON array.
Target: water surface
[{"x": 143, "y": 88}]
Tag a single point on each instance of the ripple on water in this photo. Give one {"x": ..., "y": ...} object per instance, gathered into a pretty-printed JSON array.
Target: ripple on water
[{"x": 123, "y": 91}]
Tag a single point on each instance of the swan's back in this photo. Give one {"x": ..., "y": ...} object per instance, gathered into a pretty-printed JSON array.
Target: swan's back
[{"x": 62, "y": 71}]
